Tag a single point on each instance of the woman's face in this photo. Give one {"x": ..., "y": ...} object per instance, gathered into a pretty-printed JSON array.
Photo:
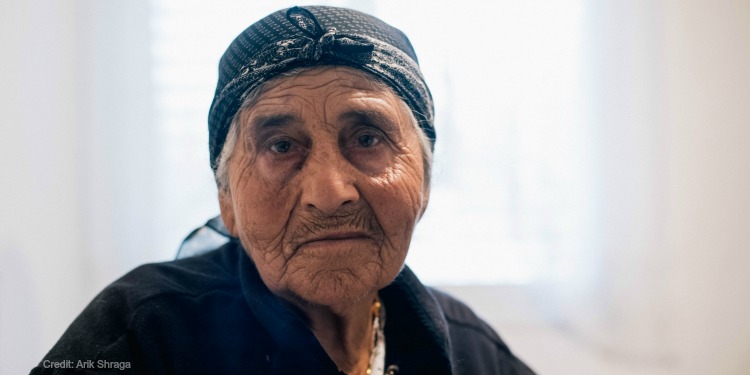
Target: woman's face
[{"x": 326, "y": 183}]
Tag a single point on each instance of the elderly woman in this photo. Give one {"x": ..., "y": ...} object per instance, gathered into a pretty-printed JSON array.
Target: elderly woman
[{"x": 321, "y": 134}]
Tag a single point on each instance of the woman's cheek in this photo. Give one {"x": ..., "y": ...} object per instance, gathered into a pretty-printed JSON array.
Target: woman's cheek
[
  {"x": 265, "y": 203},
  {"x": 406, "y": 181},
  {"x": 396, "y": 200},
  {"x": 278, "y": 169},
  {"x": 371, "y": 162}
]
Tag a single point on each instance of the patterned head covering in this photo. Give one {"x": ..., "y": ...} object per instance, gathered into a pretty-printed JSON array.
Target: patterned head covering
[{"x": 311, "y": 36}]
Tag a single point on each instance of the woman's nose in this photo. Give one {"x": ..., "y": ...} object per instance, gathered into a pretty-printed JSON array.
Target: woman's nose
[{"x": 328, "y": 183}]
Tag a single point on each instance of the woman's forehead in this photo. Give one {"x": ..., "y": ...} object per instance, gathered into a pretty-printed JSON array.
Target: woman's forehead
[
  {"x": 327, "y": 77},
  {"x": 330, "y": 88}
]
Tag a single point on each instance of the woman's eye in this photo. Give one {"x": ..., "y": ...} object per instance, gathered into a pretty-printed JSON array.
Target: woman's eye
[
  {"x": 281, "y": 147},
  {"x": 367, "y": 140}
]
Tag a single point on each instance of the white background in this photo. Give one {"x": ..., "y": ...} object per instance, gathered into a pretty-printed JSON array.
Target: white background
[{"x": 608, "y": 151}]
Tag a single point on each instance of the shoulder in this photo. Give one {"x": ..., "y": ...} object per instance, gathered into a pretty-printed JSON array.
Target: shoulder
[
  {"x": 475, "y": 345},
  {"x": 150, "y": 303},
  {"x": 156, "y": 283},
  {"x": 153, "y": 291},
  {"x": 187, "y": 277},
  {"x": 460, "y": 316}
]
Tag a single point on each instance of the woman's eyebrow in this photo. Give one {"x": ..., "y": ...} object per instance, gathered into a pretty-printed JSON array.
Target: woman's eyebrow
[
  {"x": 262, "y": 126},
  {"x": 258, "y": 123},
  {"x": 369, "y": 116}
]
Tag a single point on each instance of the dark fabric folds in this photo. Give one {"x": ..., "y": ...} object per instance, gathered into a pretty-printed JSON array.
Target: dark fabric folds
[{"x": 212, "y": 314}]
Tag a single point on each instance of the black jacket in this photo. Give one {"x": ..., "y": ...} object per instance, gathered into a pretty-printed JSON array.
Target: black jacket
[{"x": 212, "y": 314}]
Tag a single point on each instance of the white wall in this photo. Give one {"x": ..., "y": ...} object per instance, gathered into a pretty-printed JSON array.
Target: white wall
[
  {"x": 707, "y": 51},
  {"x": 41, "y": 246},
  {"x": 667, "y": 288},
  {"x": 75, "y": 148}
]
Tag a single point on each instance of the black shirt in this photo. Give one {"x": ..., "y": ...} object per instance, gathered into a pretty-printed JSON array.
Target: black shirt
[{"x": 212, "y": 314}]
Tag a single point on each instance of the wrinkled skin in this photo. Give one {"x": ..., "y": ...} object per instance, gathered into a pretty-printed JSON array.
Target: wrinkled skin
[{"x": 326, "y": 184}]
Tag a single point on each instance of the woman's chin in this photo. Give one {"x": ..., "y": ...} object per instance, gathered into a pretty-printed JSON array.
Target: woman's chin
[{"x": 335, "y": 288}]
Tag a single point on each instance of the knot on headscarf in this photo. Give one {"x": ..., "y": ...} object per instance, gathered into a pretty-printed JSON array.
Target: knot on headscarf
[
  {"x": 310, "y": 48},
  {"x": 321, "y": 42}
]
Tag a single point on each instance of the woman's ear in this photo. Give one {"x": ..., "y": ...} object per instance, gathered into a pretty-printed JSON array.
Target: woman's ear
[{"x": 226, "y": 205}]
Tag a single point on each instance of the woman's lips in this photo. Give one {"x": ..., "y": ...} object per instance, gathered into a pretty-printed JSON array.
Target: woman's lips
[
  {"x": 335, "y": 240},
  {"x": 337, "y": 237}
]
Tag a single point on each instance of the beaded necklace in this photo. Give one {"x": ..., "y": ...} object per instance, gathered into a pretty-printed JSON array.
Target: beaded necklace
[{"x": 377, "y": 352}]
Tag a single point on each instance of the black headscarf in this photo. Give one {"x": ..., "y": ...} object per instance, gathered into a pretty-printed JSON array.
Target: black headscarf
[{"x": 312, "y": 36}]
